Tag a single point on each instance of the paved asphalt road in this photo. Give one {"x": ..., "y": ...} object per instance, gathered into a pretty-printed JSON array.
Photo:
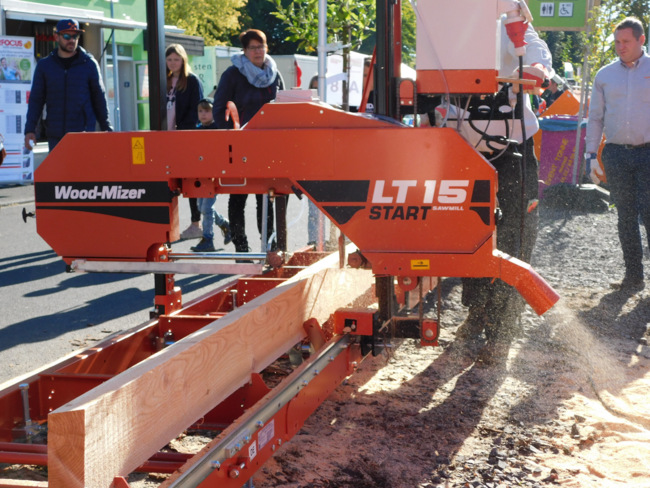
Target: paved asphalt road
[{"x": 46, "y": 313}]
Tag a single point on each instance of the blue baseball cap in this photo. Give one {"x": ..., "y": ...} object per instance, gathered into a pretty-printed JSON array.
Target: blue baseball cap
[{"x": 68, "y": 25}]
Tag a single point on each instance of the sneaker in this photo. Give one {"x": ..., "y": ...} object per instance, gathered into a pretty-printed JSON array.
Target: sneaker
[
  {"x": 204, "y": 245},
  {"x": 192, "y": 232},
  {"x": 225, "y": 230}
]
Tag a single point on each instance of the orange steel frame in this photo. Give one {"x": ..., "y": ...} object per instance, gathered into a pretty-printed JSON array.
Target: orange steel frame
[
  {"x": 417, "y": 202},
  {"x": 340, "y": 170}
]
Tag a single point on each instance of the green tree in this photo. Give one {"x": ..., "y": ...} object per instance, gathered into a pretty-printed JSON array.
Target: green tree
[
  {"x": 604, "y": 18},
  {"x": 257, "y": 14},
  {"x": 600, "y": 42},
  {"x": 637, "y": 8},
  {"x": 214, "y": 20},
  {"x": 565, "y": 46},
  {"x": 408, "y": 36},
  {"x": 348, "y": 22}
]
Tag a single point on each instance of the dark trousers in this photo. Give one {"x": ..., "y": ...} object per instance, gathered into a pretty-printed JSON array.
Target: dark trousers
[
  {"x": 628, "y": 176},
  {"x": 52, "y": 142},
  {"x": 497, "y": 301},
  {"x": 236, "y": 207},
  {"x": 194, "y": 210}
]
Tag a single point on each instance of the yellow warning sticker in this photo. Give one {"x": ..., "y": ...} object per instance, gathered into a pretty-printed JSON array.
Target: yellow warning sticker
[
  {"x": 420, "y": 264},
  {"x": 137, "y": 150}
]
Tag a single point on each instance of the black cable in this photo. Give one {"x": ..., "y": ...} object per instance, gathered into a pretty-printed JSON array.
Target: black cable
[
  {"x": 503, "y": 140},
  {"x": 99, "y": 61}
]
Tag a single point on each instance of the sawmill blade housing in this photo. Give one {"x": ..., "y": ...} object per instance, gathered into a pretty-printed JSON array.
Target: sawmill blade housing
[{"x": 416, "y": 202}]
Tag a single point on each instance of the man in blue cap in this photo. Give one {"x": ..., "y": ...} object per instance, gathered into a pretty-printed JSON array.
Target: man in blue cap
[{"x": 69, "y": 84}]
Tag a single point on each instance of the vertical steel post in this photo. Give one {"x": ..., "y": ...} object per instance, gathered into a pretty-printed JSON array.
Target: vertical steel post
[
  {"x": 24, "y": 393},
  {"x": 385, "y": 85},
  {"x": 155, "y": 37},
  {"x": 265, "y": 223},
  {"x": 156, "y": 63},
  {"x": 116, "y": 81},
  {"x": 281, "y": 222},
  {"x": 322, "y": 49},
  {"x": 578, "y": 157}
]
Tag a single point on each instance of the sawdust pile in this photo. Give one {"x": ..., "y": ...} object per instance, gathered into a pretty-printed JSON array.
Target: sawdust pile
[{"x": 567, "y": 407}]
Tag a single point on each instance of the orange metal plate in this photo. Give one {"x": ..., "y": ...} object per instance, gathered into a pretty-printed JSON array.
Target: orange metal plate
[{"x": 457, "y": 81}]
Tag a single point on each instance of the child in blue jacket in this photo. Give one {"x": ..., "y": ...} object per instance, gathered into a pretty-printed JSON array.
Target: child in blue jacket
[{"x": 206, "y": 205}]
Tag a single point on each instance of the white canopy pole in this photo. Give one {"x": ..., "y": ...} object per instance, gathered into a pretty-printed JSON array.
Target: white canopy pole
[{"x": 322, "y": 49}]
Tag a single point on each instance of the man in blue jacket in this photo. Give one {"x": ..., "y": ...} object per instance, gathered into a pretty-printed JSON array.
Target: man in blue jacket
[{"x": 69, "y": 84}]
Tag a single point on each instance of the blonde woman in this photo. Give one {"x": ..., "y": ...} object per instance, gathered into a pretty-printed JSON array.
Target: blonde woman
[{"x": 184, "y": 91}]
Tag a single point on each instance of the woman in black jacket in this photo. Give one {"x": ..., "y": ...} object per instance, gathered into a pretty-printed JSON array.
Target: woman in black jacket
[
  {"x": 249, "y": 83},
  {"x": 184, "y": 91}
]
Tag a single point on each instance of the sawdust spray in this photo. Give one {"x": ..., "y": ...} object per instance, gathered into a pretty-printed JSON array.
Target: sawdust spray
[{"x": 592, "y": 356}]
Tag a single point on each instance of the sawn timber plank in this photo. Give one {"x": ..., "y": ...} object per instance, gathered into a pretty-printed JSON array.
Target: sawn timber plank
[{"x": 114, "y": 428}]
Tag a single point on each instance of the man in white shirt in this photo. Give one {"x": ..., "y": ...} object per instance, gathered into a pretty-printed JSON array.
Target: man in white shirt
[{"x": 619, "y": 107}]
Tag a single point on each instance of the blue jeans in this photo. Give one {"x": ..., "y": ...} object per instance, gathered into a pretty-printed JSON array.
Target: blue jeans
[
  {"x": 210, "y": 216},
  {"x": 628, "y": 175}
]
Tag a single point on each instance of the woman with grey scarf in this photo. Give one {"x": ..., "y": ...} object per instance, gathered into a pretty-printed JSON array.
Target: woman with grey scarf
[{"x": 248, "y": 84}]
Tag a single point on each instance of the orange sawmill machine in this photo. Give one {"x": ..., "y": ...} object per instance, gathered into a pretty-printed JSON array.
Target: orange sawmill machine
[{"x": 416, "y": 204}]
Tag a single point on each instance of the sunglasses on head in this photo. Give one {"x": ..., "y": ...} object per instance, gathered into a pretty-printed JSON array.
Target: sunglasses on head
[{"x": 67, "y": 37}]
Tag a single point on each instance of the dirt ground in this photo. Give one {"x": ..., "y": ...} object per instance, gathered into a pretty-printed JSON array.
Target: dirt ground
[{"x": 566, "y": 405}]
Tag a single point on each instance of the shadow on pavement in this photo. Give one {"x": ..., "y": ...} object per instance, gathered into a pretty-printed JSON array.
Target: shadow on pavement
[
  {"x": 96, "y": 311},
  {"x": 29, "y": 267}
]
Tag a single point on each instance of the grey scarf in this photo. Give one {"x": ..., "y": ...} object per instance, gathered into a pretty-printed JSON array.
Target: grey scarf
[{"x": 258, "y": 77}]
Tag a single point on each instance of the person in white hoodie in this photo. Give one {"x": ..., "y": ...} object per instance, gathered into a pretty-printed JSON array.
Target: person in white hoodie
[{"x": 494, "y": 306}]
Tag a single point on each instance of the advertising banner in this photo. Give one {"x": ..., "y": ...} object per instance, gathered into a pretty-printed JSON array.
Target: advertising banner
[
  {"x": 16, "y": 71},
  {"x": 558, "y": 149}
]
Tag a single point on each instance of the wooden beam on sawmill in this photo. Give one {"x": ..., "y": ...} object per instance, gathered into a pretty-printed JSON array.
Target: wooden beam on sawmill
[{"x": 116, "y": 427}]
